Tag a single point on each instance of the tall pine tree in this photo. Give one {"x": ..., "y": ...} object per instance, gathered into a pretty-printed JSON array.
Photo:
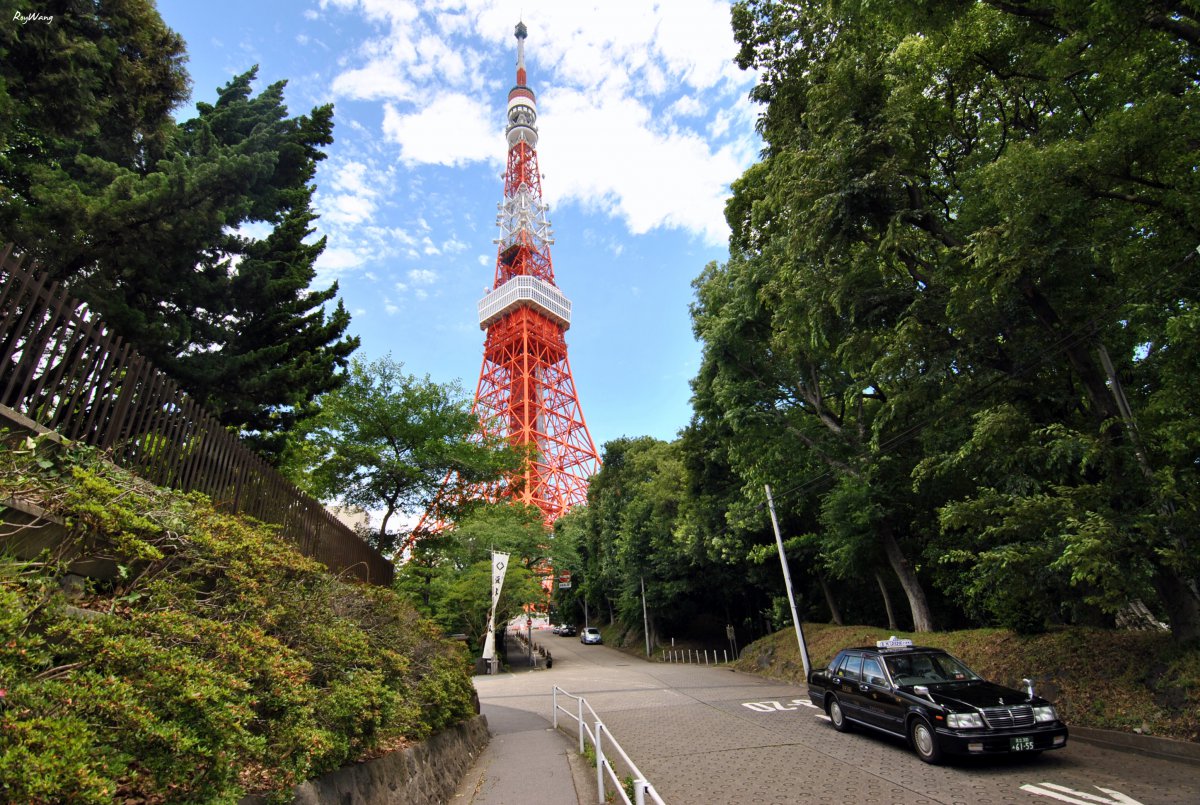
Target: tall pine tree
[{"x": 146, "y": 219}]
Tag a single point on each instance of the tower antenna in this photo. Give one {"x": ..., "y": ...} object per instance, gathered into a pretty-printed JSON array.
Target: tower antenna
[{"x": 526, "y": 392}]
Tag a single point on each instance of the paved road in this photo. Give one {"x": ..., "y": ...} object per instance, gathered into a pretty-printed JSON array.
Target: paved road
[{"x": 712, "y": 735}]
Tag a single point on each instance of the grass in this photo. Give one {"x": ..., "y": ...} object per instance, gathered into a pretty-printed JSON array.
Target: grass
[{"x": 1107, "y": 679}]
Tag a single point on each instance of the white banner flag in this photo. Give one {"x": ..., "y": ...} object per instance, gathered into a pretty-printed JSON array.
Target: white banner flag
[{"x": 499, "y": 568}]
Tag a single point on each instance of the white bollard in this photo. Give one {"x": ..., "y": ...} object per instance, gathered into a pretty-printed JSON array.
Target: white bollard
[{"x": 599, "y": 762}]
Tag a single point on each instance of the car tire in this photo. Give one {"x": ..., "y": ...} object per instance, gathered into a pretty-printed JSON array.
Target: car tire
[
  {"x": 837, "y": 716},
  {"x": 924, "y": 740}
]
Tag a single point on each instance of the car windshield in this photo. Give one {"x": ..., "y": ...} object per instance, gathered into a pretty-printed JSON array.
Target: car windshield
[{"x": 926, "y": 669}]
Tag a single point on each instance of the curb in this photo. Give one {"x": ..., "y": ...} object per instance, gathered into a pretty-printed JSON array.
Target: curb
[{"x": 1169, "y": 748}]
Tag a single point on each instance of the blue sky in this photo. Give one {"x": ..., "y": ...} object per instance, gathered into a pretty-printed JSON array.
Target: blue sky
[{"x": 643, "y": 123}]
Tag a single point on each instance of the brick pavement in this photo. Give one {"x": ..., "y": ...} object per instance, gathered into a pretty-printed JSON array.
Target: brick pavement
[{"x": 689, "y": 729}]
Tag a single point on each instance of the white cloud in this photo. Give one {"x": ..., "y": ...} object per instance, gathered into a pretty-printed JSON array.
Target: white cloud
[
  {"x": 652, "y": 179},
  {"x": 379, "y": 79},
  {"x": 686, "y": 106},
  {"x": 451, "y": 129},
  {"x": 600, "y": 71},
  {"x": 352, "y": 178},
  {"x": 422, "y": 276},
  {"x": 335, "y": 261},
  {"x": 345, "y": 209}
]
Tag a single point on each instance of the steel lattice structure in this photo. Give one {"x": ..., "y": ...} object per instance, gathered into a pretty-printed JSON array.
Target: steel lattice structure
[{"x": 526, "y": 393}]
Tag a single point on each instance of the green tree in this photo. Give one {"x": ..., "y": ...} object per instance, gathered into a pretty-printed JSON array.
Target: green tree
[
  {"x": 387, "y": 441},
  {"x": 965, "y": 205},
  {"x": 636, "y": 528},
  {"x": 144, "y": 218},
  {"x": 448, "y": 575}
]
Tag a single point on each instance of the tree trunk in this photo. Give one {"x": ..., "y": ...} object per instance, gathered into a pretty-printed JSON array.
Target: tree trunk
[
  {"x": 922, "y": 617},
  {"x": 834, "y": 612},
  {"x": 1090, "y": 375},
  {"x": 887, "y": 601},
  {"x": 1179, "y": 599}
]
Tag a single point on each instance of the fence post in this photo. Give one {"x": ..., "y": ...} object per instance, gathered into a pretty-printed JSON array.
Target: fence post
[
  {"x": 554, "y": 702},
  {"x": 599, "y": 761},
  {"x": 639, "y": 792},
  {"x": 580, "y": 703}
]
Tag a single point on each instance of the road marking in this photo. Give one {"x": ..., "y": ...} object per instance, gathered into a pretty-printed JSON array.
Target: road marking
[
  {"x": 774, "y": 706},
  {"x": 1064, "y": 794}
]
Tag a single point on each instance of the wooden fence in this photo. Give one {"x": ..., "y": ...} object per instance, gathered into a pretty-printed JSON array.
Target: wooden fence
[{"x": 65, "y": 369}]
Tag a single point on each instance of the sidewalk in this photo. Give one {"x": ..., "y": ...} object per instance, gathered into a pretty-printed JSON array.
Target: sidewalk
[{"x": 527, "y": 760}]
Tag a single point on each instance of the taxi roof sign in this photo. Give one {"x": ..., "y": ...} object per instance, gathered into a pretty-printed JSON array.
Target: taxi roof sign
[{"x": 894, "y": 642}]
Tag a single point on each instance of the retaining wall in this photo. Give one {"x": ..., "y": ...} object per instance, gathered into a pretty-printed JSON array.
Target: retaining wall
[{"x": 425, "y": 774}]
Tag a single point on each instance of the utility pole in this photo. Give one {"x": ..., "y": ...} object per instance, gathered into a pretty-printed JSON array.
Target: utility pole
[
  {"x": 787, "y": 580},
  {"x": 645, "y": 618}
]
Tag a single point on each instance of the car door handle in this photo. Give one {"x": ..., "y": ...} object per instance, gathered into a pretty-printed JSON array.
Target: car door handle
[{"x": 864, "y": 688}]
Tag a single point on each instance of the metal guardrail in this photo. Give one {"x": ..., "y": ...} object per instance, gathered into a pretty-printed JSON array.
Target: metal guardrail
[
  {"x": 65, "y": 370},
  {"x": 696, "y": 656},
  {"x": 595, "y": 730}
]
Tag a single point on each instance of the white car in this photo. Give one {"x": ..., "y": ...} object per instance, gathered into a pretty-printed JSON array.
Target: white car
[{"x": 590, "y": 635}]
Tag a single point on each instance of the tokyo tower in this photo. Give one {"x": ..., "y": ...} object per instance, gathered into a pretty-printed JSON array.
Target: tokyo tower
[{"x": 526, "y": 393}]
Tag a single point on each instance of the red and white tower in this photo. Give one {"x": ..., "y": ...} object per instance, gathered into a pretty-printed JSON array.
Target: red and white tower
[{"x": 526, "y": 393}]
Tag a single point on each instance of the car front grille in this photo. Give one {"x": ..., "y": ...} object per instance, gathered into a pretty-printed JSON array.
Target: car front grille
[{"x": 999, "y": 718}]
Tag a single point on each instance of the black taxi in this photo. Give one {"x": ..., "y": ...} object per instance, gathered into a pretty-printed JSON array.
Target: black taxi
[{"x": 934, "y": 700}]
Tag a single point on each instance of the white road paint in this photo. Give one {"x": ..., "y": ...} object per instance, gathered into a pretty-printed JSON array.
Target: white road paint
[
  {"x": 775, "y": 707},
  {"x": 1064, "y": 794}
]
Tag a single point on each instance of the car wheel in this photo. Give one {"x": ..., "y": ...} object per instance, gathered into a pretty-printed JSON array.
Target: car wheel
[
  {"x": 924, "y": 740},
  {"x": 836, "y": 716}
]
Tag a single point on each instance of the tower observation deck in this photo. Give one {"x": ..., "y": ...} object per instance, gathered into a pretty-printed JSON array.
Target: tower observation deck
[{"x": 526, "y": 393}]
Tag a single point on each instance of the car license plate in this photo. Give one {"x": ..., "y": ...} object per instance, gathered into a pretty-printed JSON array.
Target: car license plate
[{"x": 1021, "y": 744}]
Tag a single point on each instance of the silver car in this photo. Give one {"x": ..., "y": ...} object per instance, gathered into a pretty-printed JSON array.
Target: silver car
[{"x": 590, "y": 635}]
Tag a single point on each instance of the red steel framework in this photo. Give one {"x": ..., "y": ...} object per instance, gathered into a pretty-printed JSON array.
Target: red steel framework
[{"x": 526, "y": 393}]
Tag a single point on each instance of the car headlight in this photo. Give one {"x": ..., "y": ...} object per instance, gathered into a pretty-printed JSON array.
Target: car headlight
[
  {"x": 1045, "y": 713},
  {"x": 964, "y": 721}
]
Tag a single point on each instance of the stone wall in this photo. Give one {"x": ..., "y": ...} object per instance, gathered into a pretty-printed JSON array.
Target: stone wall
[{"x": 425, "y": 774}]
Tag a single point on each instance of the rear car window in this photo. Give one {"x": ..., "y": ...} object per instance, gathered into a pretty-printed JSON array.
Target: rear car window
[{"x": 852, "y": 666}]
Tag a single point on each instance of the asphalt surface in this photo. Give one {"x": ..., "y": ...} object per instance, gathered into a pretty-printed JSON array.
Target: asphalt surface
[{"x": 711, "y": 735}]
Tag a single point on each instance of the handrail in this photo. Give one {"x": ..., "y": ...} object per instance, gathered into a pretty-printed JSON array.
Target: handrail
[{"x": 643, "y": 791}]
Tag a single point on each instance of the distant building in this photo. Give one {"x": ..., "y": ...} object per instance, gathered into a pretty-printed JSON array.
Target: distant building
[{"x": 352, "y": 516}]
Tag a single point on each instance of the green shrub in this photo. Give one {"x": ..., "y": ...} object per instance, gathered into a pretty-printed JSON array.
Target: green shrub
[{"x": 218, "y": 662}]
